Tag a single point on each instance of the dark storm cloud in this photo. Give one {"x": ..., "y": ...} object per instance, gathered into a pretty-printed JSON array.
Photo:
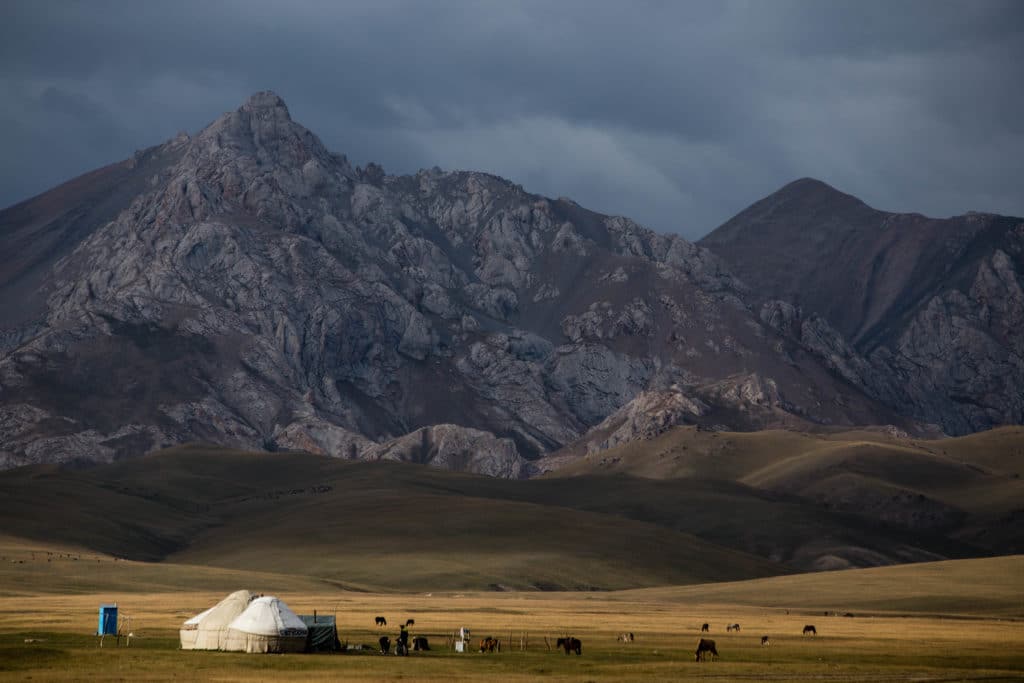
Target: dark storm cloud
[{"x": 676, "y": 114}]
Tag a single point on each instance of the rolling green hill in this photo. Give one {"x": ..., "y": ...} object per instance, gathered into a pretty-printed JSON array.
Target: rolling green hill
[
  {"x": 966, "y": 489},
  {"x": 727, "y": 507},
  {"x": 376, "y": 524}
]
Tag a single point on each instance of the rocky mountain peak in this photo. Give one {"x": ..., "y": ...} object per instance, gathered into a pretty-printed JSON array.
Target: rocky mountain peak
[
  {"x": 263, "y": 133},
  {"x": 266, "y": 101},
  {"x": 812, "y": 196}
]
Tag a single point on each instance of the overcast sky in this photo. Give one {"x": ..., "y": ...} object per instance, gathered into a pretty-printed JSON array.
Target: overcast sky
[{"x": 677, "y": 114}]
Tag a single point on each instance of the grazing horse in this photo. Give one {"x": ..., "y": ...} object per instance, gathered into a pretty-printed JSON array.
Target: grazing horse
[
  {"x": 810, "y": 629},
  {"x": 420, "y": 643},
  {"x": 570, "y": 644},
  {"x": 704, "y": 646},
  {"x": 381, "y": 621},
  {"x": 732, "y": 627},
  {"x": 490, "y": 644},
  {"x": 705, "y": 629},
  {"x": 764, "y": 641},
  {"x": 410, "y": 622},
  {"x": 626, "y": 637},
  {"x": 385, "y": 645}
]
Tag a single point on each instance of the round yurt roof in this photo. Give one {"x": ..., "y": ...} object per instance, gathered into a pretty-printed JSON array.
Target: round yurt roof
[
  {"x": 268, "y": 616},
  {"x": 223, "y": 612},
  {"x": 194, "y": 621}
]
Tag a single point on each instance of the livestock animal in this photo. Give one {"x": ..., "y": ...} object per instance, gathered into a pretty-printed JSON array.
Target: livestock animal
[
  {"x": 490, "y": 644},
  {"x": 410, "y": 622},
  {"x": 810, "y": 629},
  {"x": 402, "y": 642},
  {"x": 385, "y": 645},
  {"x": 626, "y": 637},
  {"x": 463, "y": 633},
  {"x": 570, "y": 644},
  {"x": 381, "y": 621},
  {"x": 732, "y": 627},
  {"x": 764, "y": 641},
  {"x": 705, "y": 628},
  {"x": 704, "y": 646},
  {"x": 419, "y": 643}
]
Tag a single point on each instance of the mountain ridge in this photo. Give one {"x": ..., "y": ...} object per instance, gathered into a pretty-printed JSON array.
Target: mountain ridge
[{"x": 261, "y": 292}]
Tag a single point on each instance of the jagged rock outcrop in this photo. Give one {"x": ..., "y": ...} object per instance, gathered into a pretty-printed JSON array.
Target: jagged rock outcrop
[
  {"x": 248, "y": 287},
  {"x": 454, "y": 448},
  {"x": 648, "y": 415}
]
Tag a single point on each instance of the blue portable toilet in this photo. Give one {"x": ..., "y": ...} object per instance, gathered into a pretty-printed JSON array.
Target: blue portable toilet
[{"x": 108, "y": 620}]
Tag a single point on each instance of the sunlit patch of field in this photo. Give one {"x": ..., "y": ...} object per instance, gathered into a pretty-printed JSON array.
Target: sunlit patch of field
[{"x": 904, "y": 627}]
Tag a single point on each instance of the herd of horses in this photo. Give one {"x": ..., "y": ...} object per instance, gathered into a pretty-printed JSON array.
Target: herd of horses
[{"x": 705, "y": 646}]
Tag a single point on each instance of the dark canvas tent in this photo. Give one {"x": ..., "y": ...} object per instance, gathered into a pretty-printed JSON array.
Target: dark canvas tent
[{"x": 323, "y": 633}]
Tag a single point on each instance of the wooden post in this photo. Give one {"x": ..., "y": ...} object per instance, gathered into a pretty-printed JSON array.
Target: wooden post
[{"x": 546, "y": 643}]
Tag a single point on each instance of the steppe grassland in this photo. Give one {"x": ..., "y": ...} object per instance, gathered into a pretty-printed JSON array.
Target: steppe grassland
[{"x": 928, "y": 638}]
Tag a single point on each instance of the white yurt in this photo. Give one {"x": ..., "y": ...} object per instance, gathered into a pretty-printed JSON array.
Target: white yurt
[
  {"x": 208, "y": 630},
  {"x": 266, "y": 625}
]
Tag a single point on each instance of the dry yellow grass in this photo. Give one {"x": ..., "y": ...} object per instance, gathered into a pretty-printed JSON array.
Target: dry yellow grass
[{"x": 906, "y": 627}]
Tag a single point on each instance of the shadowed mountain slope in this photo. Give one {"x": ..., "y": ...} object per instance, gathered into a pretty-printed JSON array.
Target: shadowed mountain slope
[
  {"x": 924, "y": 314},
  {"x": 248, "y": 287}
]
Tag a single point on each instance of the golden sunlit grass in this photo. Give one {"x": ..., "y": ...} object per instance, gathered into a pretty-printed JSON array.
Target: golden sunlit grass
[{"x": 943, "y": 621}]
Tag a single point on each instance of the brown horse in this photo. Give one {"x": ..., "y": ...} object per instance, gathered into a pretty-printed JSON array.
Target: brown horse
[
  {"x": 704, "y": 646},
  {"x": 490, "y": 644},
  {"x": 765, "y": 641},
  {"x": 705, "y": 629},
  {"x": 626, "y": 637},
  {"x": 570, "y": 644},
  {"x": 810, "y": 629},
  {"x": 733, "y": 627}
]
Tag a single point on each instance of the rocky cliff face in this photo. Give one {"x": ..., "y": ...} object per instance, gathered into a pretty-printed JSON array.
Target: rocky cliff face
[
  {"x": 248, "y": 287},
  {"x": 923, "y": 314}
]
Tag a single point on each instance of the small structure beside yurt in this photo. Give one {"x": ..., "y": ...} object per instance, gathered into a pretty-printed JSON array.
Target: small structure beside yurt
[
  {"x": 209, "y": 630},
  {"x": 323, "y": 633},
  {"x": 266, "y": 625}
]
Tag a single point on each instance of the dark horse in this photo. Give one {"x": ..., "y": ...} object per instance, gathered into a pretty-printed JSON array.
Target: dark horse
[
  {"x": 810, "y": 629},
  {"x": 420, "y": 643},
  {"x": 732, "y": 627},
  {"x": 381, "y": 621},
  {"x": 410, "y": 622},
  {"x": 705, "y": 628},
  {"x": 570, "y": 644},
  {"x": 764, "y": 641},
  {"x": 704, "y": 646},
  {"x": 385, "y": 645}
]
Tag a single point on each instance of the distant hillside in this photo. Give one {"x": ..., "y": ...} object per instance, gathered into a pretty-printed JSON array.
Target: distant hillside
[
  {"x": 384, "y": 525},
  {"x": 388, "y": 525},
  {"x": 981, "y": 587},
  {"x": 967, "y": 489}
]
